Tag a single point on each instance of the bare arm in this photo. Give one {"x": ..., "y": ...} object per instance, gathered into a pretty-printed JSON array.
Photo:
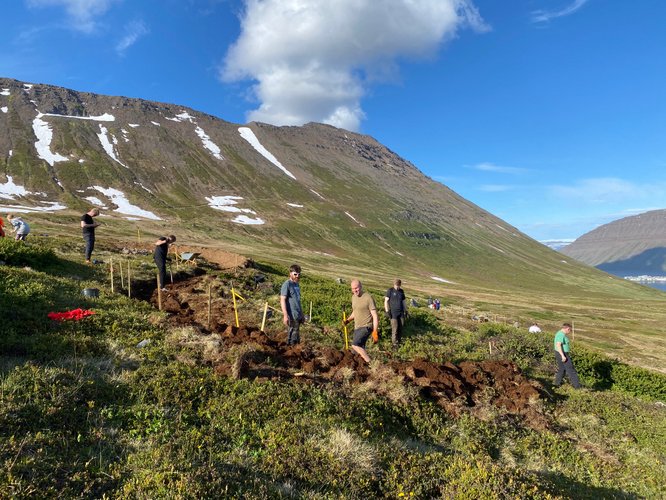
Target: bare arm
[
  {"x": 386, "y": 304},
  {"x": 283, "y": 306},
  {"x": 375, "y": 319}
]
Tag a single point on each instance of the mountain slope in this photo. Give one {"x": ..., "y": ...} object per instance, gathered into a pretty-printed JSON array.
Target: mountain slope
[
  {"x": 315, "y": 192},
  {"x": 336, "y": 202},
  {"x": 629, "y": 246}
]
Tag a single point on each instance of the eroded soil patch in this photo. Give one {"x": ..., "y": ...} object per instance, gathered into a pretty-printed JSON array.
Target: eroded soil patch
[{"x": 246, "y": 352}]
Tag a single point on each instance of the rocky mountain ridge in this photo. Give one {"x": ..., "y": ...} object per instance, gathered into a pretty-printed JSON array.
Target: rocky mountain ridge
[{"x": 314, "y": 192}]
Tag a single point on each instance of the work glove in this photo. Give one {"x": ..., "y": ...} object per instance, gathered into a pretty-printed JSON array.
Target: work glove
[{"x": 375, "y": 336}]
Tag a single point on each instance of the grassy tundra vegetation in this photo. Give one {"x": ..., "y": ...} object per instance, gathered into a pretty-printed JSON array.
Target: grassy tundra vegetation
[{"x": 84, "y": 412}]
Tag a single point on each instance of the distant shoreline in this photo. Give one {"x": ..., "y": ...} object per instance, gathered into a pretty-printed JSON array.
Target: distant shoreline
[{"x": 646, "y": 279}]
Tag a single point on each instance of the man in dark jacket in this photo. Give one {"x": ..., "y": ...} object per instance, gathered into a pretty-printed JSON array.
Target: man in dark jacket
[
  {"x": 395, "y": 305},
  {"x": 160, "y": 257},
  {"x": 88, "y": 226}
]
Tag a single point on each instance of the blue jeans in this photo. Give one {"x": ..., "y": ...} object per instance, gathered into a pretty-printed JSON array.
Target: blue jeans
[
  {"x": 568, "y": 368},
  {"x": 293, "y": 333},
  {"x": 90, "y": 244}
]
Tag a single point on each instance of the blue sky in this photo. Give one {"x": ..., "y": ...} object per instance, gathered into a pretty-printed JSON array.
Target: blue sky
[{"x": 550, "y": 114}]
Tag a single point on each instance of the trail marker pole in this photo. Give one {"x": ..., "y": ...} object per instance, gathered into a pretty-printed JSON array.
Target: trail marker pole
[
  {"x": 233, "y": 298},
  {"x": 138, "y": 235},
  {"x": 263, "y": 320},
  {"x": 171, "y": 274},
  {"x": 122, "y": 273},
  {"x": 344, "y": 327},
  {"x": 573, "y": 331},
  {"x": 310, "y": 312},
  {"x": 129, "y": 282},
  {"x": 490, "y": 348},
  {"x": 159, "y": 293},
  {"x": 111, "y": 275},
  {"x": 209, "y": 303}
]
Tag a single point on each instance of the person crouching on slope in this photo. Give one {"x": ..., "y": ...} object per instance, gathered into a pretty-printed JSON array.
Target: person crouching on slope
[
  {"x": 160, "y": 257},
  {"x": 20, "y": 227}
]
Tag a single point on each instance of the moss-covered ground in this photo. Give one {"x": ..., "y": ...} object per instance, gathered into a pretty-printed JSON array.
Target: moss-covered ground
[{"x": 86, "y": 412}]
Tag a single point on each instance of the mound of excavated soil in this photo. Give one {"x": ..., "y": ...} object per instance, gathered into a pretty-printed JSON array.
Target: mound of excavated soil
[{"x": 469, "y": 386}]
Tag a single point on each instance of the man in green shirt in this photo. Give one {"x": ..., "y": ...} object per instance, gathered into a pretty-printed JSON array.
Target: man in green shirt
[
  {"x": 366, "y": 321},
  {"x": 563, "y": 357}
]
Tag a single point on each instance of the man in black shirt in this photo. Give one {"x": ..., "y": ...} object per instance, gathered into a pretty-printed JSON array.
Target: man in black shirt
[
  {"x": 160, "y": 257},
  {"x": 395, "y": 305},
  {"x": 88, "y": 226}
]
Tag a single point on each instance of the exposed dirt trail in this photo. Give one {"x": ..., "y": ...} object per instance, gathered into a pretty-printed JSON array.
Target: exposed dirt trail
[{"x": 469, "y": 386}]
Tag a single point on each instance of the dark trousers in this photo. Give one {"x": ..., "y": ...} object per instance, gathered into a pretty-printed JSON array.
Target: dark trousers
[
  {"x": 396, "y": 329},
  {"x": 161, "y": 268},
  {"x": 90, "y": 244},
  {"x": 568, "y": 368},
  {"x": 293, "y": 332}
]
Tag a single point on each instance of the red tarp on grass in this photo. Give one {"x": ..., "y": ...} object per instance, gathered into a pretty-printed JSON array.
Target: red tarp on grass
[{"x": 75, "y": 314}]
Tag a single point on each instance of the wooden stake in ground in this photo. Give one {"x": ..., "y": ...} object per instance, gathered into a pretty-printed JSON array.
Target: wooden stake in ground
[
  {"x": 159, "y": 293},
  {"x": 210, "y": 298},
  {"x": 233, "y": 298},
  {"x": 129, "y": 281},
  {"x": 573, "y": 331},
  {"x": 490, "y": 348},
  {"x": 111, "y": 262},
  {"x": 122, "y": 274},
  {"x": 263, "y": 320},
  {"x": 138, "y": 235},
  {"x": 310, "y": 312}
]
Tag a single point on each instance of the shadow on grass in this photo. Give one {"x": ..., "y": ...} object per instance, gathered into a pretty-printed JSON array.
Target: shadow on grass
[{"x": 563, "y": 485}]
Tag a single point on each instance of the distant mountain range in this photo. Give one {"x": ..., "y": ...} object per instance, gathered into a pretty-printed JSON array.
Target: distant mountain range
[
  {"x": 313, "y": 193},
  {"x": 631, "y": 246},
  {"x": 556, "y": 244}
]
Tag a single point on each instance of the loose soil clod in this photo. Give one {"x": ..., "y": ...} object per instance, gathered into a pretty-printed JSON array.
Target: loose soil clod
[{"x": 469, "y": 386}]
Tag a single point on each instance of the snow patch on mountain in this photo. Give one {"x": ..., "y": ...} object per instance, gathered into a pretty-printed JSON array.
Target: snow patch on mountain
[
  {"x": 247, "y": 134},
  {"x": 119, "y": 199}
]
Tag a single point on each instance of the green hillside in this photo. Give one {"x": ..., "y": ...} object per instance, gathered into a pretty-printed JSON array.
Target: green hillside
[
  {"x": 130, "y": 402},
  {"x": 351, "y": 207}
]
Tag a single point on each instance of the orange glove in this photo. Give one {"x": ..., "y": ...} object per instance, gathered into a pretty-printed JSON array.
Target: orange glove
[{"x": 375, "y": 336}]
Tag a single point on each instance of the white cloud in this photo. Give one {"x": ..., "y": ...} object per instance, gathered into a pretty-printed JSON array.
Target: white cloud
[
  {"x": 312, "y": 59},
  {"x": 133, "y": 31},
  {"x": 82, "y": 13},
  {"x": 543, "y": 16},
  {"x": 604, "y": 190},
  {"x": 490, "y": 167}
]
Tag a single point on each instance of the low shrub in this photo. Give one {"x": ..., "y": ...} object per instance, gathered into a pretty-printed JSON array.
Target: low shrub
[
  {"x": 18, "y": 253},
  {"x": 600, "y": 372}
]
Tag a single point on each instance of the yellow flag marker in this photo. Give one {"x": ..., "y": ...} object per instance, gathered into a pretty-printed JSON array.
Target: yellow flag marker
[{"x": 344, "y": 326}]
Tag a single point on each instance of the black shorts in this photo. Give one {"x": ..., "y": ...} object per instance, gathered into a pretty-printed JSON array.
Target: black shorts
[{"x": 361, "y": 336}]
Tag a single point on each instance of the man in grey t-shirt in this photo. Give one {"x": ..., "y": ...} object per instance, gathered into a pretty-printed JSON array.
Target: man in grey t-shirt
[{"x": 290, "y": 302}]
